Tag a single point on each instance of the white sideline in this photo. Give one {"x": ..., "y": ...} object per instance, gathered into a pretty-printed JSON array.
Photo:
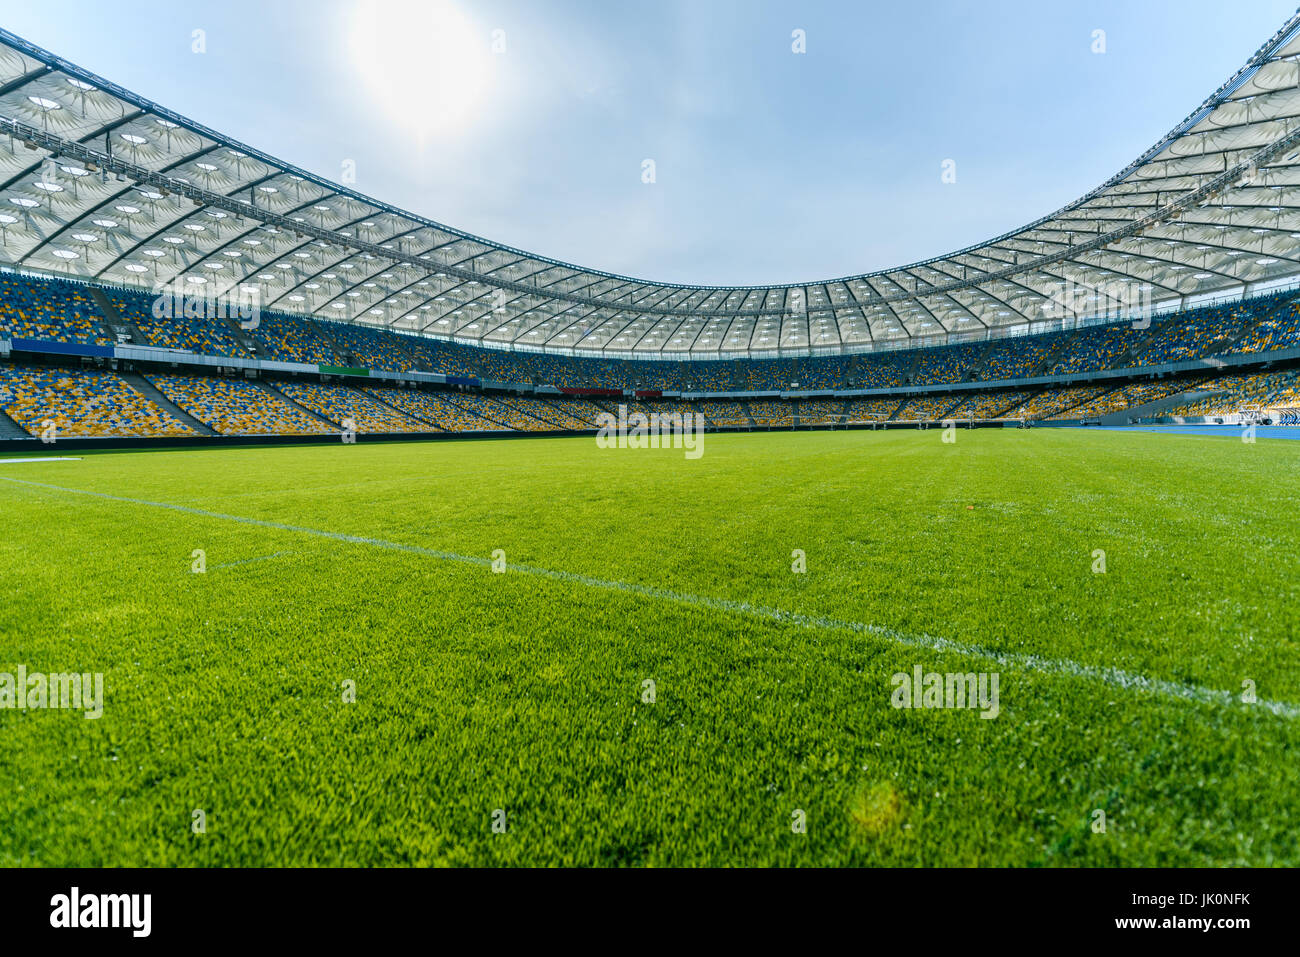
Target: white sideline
[
  {"x": 51, "y": 458},
  {"x": 1060, "y": 666}
]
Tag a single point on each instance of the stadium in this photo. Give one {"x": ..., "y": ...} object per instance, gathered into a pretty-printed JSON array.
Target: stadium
[{"x": 373, "y": 542}]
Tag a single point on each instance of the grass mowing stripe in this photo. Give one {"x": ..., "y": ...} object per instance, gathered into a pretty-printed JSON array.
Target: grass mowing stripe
[
  {"x": 249, "y": 561},
  {"x": 1115, "y": 677},
  {"x": 1071, "y": 835}
]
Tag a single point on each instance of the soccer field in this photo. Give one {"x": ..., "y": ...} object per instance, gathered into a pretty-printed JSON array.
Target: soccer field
[{"x": 649, "y": 681}]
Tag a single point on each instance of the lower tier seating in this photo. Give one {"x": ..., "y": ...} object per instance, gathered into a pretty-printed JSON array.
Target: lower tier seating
[
  {"x": 503, "y": 416},
  {"x": 1057, "y": 403},
  {"x": 821, "y": 411},
  {"x": 770, "y": 413},
  {"x": 986, "y": 405},
  {"x": 237, "y": 407},
  {"x": 559, "y": 413},
  {"x": 724, "y": 413},
  {"x": 871, "y": 410},
  {"x": 929, "y": 407},
  {"x": 351, "y": 408},
  {"x": 1230, "y": 394},
  {"x": 94, "y": 402},
  {"x": 435, "y": 408},
  {"x": 1129, "y": 396},
  {"x": 81, "y": 404}
]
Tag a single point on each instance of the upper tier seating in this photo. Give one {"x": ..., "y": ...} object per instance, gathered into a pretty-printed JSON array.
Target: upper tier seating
[
  {"x": 1188, "y": 335},
  {"x": 948, "y": 364},
  {"x": 1096, "y": 347},
  {"x": 48, "y": 309},
  {"x": 1017, "y": 357},
  {"x": 1278, "y": 328},
  {"x": 878, "y": 371},
  {"x": 374, "y": 348},
  {"x": 209, "y": 337},
  {"x": 290, "y": 339}
]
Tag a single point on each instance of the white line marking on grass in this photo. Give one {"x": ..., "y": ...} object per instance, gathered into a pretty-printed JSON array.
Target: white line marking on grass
[
  {"x": 48, "y": 458},
  {"x": 1115, "y": 677}
]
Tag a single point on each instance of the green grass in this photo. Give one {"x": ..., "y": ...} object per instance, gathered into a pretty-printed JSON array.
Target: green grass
[{"x": 519, "y": 691}]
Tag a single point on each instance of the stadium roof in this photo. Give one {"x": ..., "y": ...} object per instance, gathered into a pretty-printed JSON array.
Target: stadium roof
[{"x": 100, "y": 184}]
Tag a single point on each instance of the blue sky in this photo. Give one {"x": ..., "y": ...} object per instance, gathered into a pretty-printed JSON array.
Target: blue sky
[{"x": 770, "y": 166}]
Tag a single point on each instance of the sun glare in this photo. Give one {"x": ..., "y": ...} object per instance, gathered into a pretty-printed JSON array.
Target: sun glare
[{"x": 423, "y": 61}]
